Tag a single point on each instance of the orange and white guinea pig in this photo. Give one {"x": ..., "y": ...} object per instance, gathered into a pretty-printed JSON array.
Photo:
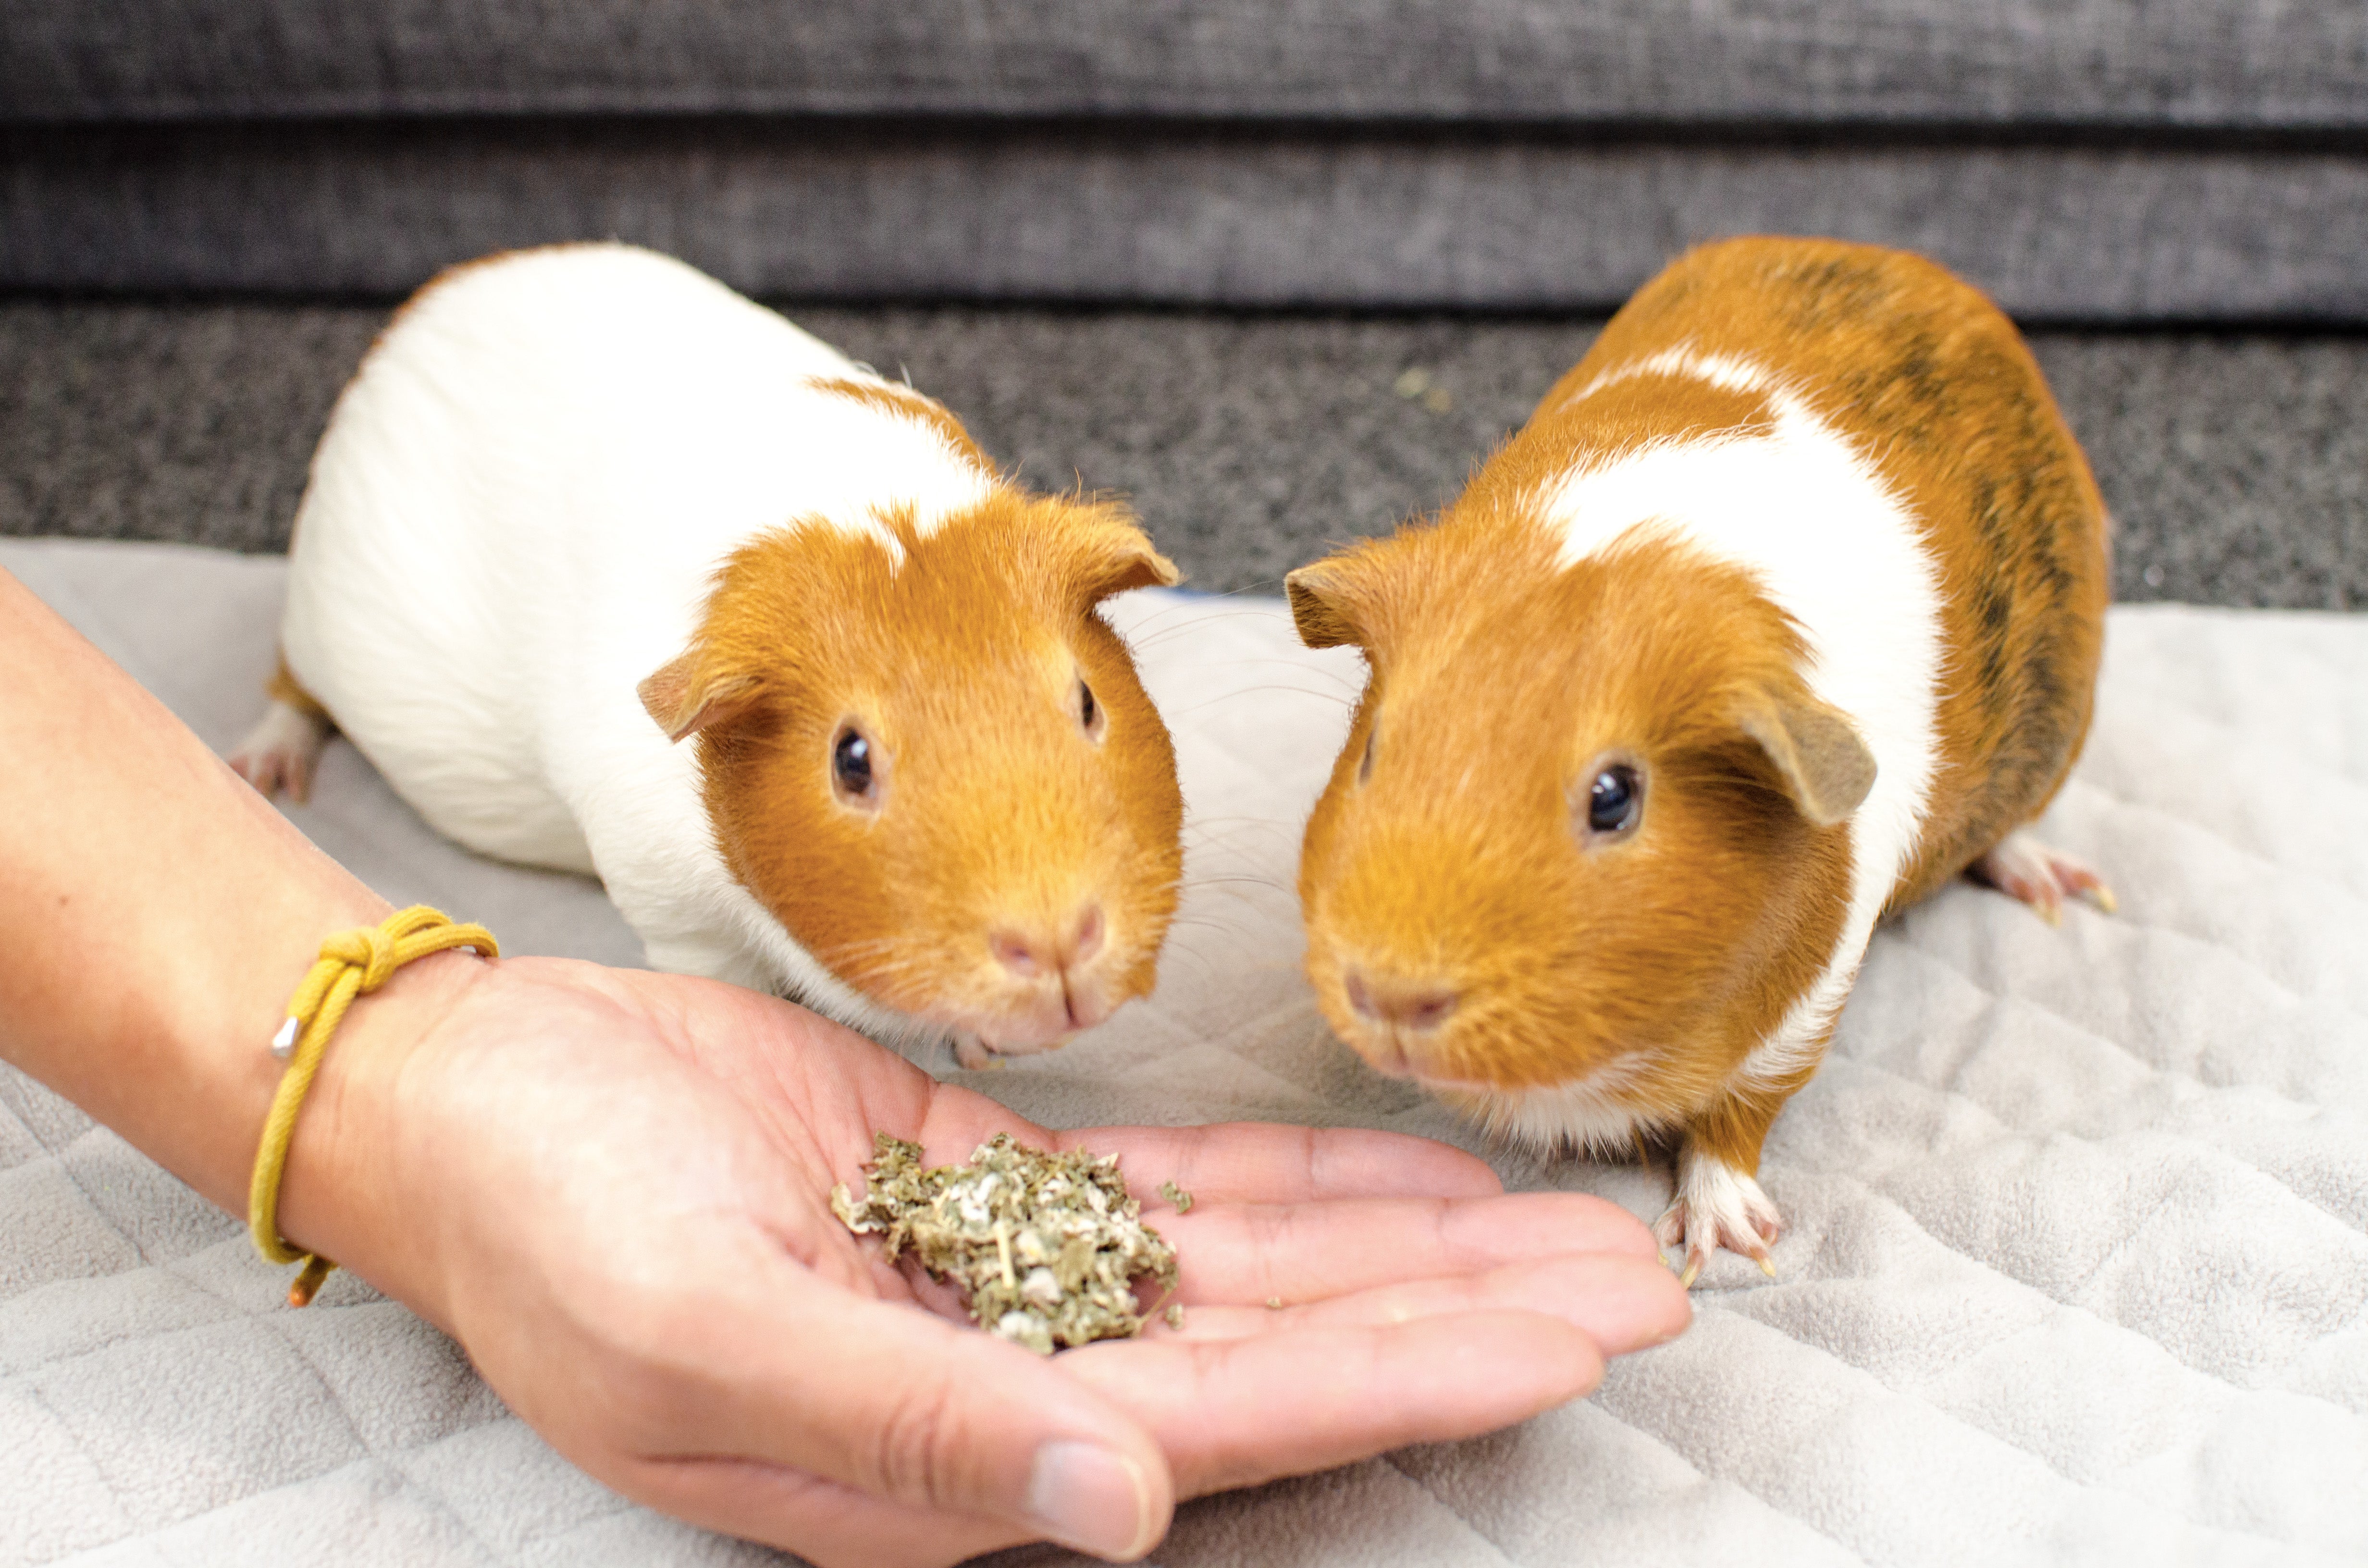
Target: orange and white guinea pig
[
  {"x": 1783, "y": 610},
  {"x": 583, "y": 504}
]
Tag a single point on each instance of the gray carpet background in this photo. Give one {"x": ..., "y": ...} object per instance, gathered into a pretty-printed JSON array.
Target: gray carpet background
[
  {"x": 1280, "y": 272},
  {"x": 2236, "y": 464},
  {"x": 2078, "y": 62},
  {"x": 1214, "y": 215}
]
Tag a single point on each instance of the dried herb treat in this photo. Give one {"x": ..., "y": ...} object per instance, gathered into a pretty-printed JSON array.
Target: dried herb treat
[{"x": 1046, "y": 1248}]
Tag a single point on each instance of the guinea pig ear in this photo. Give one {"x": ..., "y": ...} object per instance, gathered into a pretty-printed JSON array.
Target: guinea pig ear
[
  {"x": 1115, "y": 555},
  {"x": 685, "y": 698},
  {"x": 1825, "y": 768},
  {"x": 1320, "y": 606}
]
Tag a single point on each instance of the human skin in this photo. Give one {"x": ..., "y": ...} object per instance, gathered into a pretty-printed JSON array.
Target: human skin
[{"x": 611, "y": 1188}]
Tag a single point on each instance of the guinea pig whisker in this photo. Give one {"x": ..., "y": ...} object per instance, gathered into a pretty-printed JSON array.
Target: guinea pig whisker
[
  {"x": 1256, "y": 690},
  {"x": 1161, "y": 628},
  {"x": 1211, "y": 825},
  {"x": 1208, "y": 965},
  {"x": 1219, "y": 884},
  {"x": 1189, "y": 615},
  {"x": 1298, "y": 662},
  {"x": 1230, "y": 857},
  {"x": 1225, "y": 931}
]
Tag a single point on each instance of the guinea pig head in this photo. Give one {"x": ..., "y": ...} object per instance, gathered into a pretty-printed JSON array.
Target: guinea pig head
[
  {"x": 1586, "y": 828},
  {"x": 926, "y": 753}
]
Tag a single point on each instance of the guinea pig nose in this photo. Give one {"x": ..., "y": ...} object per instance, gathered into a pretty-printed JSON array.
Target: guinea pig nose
[
  {"x": 1087, "y": 940},
  {"x": 1408, "y": 1004},
  {"x": 1028, "y": 949},
  {"x": 1015, "y": 953}
]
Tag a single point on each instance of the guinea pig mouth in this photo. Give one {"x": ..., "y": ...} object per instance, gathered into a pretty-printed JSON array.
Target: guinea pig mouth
[
  {"x": 972, "y": 1048},
  {"x": 1040, "y": 1023},
  {"x": 1392, "y": 1052},
  {"x": 1419, "y": 1057}
]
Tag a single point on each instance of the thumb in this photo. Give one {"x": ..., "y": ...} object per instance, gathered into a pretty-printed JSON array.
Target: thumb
[{"x": 896, "y": 1403}]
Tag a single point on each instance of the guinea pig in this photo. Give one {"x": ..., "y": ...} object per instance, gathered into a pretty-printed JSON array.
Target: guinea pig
[
  {"x": 611, "y": 570},
  {"x": 1784, "y": 609}
]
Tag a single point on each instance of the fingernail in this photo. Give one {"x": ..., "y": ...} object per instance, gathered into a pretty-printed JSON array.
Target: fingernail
[{"x": 1089, "y": 1499}]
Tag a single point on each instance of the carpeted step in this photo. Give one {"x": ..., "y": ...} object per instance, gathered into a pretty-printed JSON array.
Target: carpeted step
[
  {"x": 2196, "y": 64},
  {"x": 2237, "y": 467},
  {"x": 1094, "y": 214},
  {"x": 2084, "y": 160}
]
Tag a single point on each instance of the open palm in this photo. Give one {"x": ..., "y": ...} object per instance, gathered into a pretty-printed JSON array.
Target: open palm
[{"x": 622, "y": 1188}]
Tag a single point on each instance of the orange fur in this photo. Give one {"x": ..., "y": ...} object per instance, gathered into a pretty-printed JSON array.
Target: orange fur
[
  {"x": 903, "y": 403},
  {"x": 1939, "y": 390},
  {"x": 998, "y": 813},
  {"x": 1496, "y": 684},
  {"x": 1651, "y": 967},
  {"x": 283, "y": 686}
]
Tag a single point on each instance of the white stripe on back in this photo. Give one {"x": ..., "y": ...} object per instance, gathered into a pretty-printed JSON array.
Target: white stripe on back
[{"x": 1832, "y": 545}]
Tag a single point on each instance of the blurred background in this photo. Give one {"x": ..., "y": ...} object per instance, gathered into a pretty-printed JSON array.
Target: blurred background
[{"x": 1281, "y": 271}]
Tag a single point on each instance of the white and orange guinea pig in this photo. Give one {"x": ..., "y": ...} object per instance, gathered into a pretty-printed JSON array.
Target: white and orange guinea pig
[
  {"x": 1783, "y": 610},
  {"x": 611, "y": 570}
]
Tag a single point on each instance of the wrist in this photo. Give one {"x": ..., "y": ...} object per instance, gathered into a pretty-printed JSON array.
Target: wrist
[{"x": 357, "y": 1189}]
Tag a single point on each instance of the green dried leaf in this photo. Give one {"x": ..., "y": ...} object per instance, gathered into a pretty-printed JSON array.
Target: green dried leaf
[
  {"x": 1177, "y": 1196},
  {"x": 1045, "y": 1249}
]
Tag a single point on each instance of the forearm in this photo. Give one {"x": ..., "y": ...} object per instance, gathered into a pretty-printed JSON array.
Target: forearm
[{"x": 154, "y": 915}]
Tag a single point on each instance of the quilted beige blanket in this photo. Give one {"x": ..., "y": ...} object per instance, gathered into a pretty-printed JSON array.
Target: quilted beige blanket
[{"x": 2078, "y": 1270}]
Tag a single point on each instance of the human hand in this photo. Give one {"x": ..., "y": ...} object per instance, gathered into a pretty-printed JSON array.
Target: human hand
[{"x": 613, "y": 1188}]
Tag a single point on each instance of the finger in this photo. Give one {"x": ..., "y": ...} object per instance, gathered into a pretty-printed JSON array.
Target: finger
[
  {"x": 1293, "y": 1253},
  {"x": 1233, "y": 1413},
  {"x": 1254, "y": 1161},
  {"x": 1622, "y": 1303},
  {"x": 765, "y": 1361},
  {"x": 823, "y": 1522}
]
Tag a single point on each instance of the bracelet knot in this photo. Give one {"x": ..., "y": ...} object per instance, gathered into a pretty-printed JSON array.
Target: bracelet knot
[
  {"x": 352, "y": 963},
  {"x": 365, "y": 948}
]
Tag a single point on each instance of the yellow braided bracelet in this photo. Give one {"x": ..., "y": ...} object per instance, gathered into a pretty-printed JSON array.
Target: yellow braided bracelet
[{"x": 352, "y": 963}]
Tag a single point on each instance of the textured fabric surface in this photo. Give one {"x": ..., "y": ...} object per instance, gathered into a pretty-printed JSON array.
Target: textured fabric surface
[
  {"x": 1235, "y": 216},
  {"x": 2077, "y": 1268},
  {"x": 2195, "y": 62},
  {"x": 2237, "y": 467}
]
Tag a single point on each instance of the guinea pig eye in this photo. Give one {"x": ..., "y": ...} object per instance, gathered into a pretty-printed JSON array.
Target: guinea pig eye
[
  {"x": 1615, "y": 800},
  {"x": 1089, "y": 712},
  {"x": 851, "y": 769}
]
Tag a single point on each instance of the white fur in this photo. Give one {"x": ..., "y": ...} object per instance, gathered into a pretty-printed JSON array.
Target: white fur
[
  {"x": 513, "y": 519},
  {"x": 1716, "y": 1206},
  {"x": 1590, "y": 1115},
  {"x": 1809, "y": 517},
  {"x": 281, "y": 750}
]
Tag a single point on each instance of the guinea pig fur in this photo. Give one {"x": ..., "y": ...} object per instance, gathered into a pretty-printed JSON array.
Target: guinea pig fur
[
  {"x": 1784, "y": 609},
  {"x": 611, "y": 570}
]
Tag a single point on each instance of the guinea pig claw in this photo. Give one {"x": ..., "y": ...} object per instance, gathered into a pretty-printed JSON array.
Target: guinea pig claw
[
  {"x": 281, "y": 753},
  {"x": 1743, "y": 1222},
  {"x": 1669, "y": 1230},
  {"x": 2022, "y": 868},
  {"x": 1696, "y": 1257},
  {"x": 973, "y": 1054}
]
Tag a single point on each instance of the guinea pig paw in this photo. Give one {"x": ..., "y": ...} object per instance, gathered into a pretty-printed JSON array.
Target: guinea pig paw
[
  {"x": 973, "y": 1054},
  {"x": 279, "y": 753},
  {"x": 1719, "y": 1207},
  {"x": 2022, "y": 868}
]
